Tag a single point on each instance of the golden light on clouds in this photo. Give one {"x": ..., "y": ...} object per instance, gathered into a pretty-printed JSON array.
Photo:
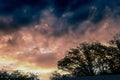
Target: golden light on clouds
[
  {"x": 36, "y": 49},
  {"x": 28, "y": 49},
  {"x": 35, "y": 34}
]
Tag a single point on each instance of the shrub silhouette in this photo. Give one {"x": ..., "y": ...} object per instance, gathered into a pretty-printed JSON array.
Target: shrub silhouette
[{"x": 17, "y": 75}]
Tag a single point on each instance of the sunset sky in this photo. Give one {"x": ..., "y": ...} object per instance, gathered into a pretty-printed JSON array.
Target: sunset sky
[{"x": 35, "y": 34}]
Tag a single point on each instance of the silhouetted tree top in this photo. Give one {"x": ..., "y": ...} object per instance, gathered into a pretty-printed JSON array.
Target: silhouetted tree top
[
  {"x": 17, "y": 75},
  {"x": 116, "y": 40},
  {"x": 91, "y": 59}
]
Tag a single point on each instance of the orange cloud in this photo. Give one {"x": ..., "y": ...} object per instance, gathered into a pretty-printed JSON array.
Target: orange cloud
[{"x": 35, "y": 48}]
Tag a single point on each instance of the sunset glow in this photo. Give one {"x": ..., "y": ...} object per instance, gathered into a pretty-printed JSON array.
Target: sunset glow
[{"x": 35, "y": 34}]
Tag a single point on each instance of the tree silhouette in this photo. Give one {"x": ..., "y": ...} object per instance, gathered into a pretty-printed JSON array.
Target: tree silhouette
[
  {"x": 56, "y": 76},
  {"x": 87, "y": 59},
  {"x": 17, "y": 75},
  {"x": 115, "y": 61},
  {"x": 4, "y": 75},
  {"x": 116, "y": 40},
  {"x": 90, "y": 59}
]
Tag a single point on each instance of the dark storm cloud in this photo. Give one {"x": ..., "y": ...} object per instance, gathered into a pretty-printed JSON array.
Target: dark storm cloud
[
  {"x": 69, "y": 13},
  {"x": 73, "y": 13},
  {"x": 22, "y": 12},
  {"x": 9, "y": 6}
]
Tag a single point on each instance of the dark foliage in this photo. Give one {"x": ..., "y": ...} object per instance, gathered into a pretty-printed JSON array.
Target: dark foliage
[
  {"x": 17, "y": 75},
  {"x": 91, "y": 59}
]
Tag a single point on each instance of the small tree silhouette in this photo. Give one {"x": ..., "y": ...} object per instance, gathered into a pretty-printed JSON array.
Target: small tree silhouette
[
  {"x": 56, "y": 76},
  {"x": 17, "y": 75},
  {"x": 4, "y": 75}
]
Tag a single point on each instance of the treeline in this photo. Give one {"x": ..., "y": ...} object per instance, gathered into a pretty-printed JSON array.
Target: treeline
[
  {"x": 17, "y": 75},
  {"x": 89, "y": 59}
]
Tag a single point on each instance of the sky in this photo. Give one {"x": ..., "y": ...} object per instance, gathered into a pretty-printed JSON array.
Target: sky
[{"x": 35, "y": 34}]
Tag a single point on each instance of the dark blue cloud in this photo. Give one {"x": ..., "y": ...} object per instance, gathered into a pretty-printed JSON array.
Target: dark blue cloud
[
  {"x": 70, "y": 13},
  {"x": 9, "y": 6},
  {"x": 92, "y": 10},
  {"x": 22, "y": 12},
  {"x": 63, "y": 6}
]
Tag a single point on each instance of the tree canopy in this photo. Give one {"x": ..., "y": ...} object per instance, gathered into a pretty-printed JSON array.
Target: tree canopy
[
  {"x": 17, "y": 75},
  {"x": 90, "y": 59}
]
